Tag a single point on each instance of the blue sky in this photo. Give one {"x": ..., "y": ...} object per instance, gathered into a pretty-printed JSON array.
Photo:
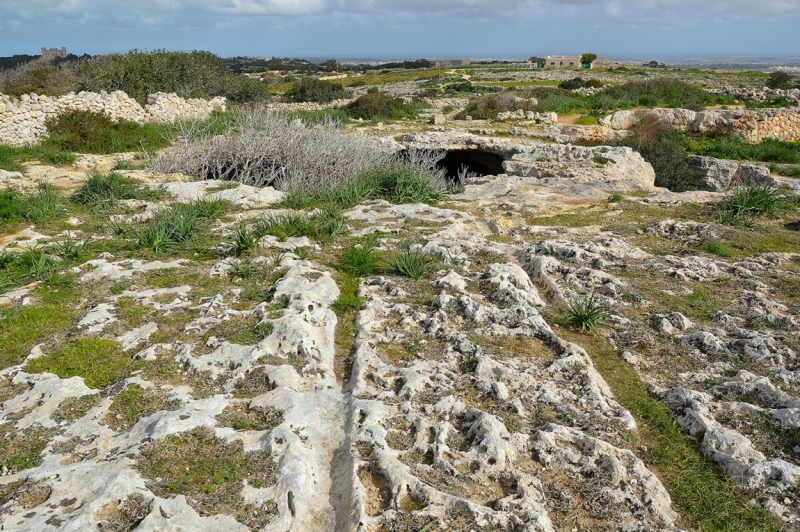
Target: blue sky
[{"x": 659, "y": 29}]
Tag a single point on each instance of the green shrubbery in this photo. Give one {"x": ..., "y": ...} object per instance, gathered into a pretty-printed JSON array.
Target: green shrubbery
[
  {"x": 782, "y": 80},
  {"x": 734, "y": 147},
  {"x": 315, "y": 90},
  {"x": 38, "y": 207},
  {"x": 90, "y": 132},
  {"x": 380, "y": 105},
  {"x": 580, "y": 83},
  {"x": 196, "y": 74},
  {"x": 665, "y": 152}
]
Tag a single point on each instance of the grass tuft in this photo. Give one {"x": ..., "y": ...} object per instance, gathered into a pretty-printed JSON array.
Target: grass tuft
[
  {"x": 410, "y": 264},
  {"x": 744, "y": 204}
]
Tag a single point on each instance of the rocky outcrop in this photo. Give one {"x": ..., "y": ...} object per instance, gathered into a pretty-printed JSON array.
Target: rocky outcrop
[
  {"x": 23, "y": 121},
  {"x": 717, "y": 175},
  {"x": 752, "y": 125}
]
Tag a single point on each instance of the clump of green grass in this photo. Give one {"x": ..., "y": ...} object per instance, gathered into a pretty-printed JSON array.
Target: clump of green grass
[
  {"x": 410, "y": 263},
  {"x": 587, "y": 314},
  {"x": 716, "y": 248},
  {"x": 100, "y": 362},
  {"x": 108, "y": 189},
  {"x": 10, "y": 158},
  {"x": 11, "y": 206},
  {"x": 177, "y": 225},
  {"x": 348, "y": 301},
  {"x": 323, "y": 225},
  {"x": 44, "y": 205},
  {"x": 744, "y": 204},
  {"x": 244, "y": 240},
  {"x": 395, "y": 183},
  {"x": 209, "y": 471},
  {"x": 135, "y": 403},
  {"x": 359, "y": 260}
]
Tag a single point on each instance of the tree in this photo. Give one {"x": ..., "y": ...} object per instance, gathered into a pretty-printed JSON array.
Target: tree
[
  {"x": 588, "y": 58},
  {"x": 535, "y": 59},
  {"x": 780, "y": 80},
  {"x": 331, "y": 65}
]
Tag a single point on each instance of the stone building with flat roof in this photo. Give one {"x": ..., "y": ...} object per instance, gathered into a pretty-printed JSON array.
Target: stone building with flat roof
[{"x": 54, "y": 53}]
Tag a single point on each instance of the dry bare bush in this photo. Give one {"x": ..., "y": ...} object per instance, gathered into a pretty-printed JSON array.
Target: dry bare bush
[{"x": 261, "y": 148}]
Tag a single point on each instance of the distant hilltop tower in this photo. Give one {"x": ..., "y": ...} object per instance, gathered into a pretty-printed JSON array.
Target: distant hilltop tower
[{"x": 53, "y": 53}]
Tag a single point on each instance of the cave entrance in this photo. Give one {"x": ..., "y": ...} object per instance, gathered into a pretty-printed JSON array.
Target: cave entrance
[{"x": 477, "y": 162}]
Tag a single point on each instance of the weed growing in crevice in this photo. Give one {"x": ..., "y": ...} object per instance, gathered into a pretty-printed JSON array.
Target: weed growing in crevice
[
  {"x": 244, "y": 240},
  {"x": 410, "y": 263},
  {"x": 359, "y": 260},
  {"x": 588, "y": 314}
]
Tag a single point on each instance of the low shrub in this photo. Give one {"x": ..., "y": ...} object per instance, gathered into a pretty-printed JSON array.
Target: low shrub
[
  {"x": 487, "y": 107},
  {"x": 260, "y": 148},
  {"x": 91, "y": 132},
  {"x": 380, "y": 105},
  {"x": 315, "y": 90},
  {"x": 781, "y": 80},
  {"x": 571, "y": 84},
  {"x": 665, "y": 152}
]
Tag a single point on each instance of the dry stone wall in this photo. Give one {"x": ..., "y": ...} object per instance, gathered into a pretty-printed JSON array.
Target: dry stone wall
[
  {"x": 752, "y": 125},
  {"x": 23, "y": 121}
]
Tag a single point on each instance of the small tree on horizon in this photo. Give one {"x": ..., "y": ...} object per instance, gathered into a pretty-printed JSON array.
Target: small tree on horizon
[
  {"x": 588, "y": 58},
  {"x": 536, "y": 59}
]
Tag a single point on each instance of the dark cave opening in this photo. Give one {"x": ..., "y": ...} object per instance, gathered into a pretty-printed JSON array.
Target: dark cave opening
[{"x": 477, "y": 162}]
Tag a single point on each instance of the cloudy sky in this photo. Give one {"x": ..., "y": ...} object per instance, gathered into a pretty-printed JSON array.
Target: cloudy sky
[{"x": 658, "y": 29}]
